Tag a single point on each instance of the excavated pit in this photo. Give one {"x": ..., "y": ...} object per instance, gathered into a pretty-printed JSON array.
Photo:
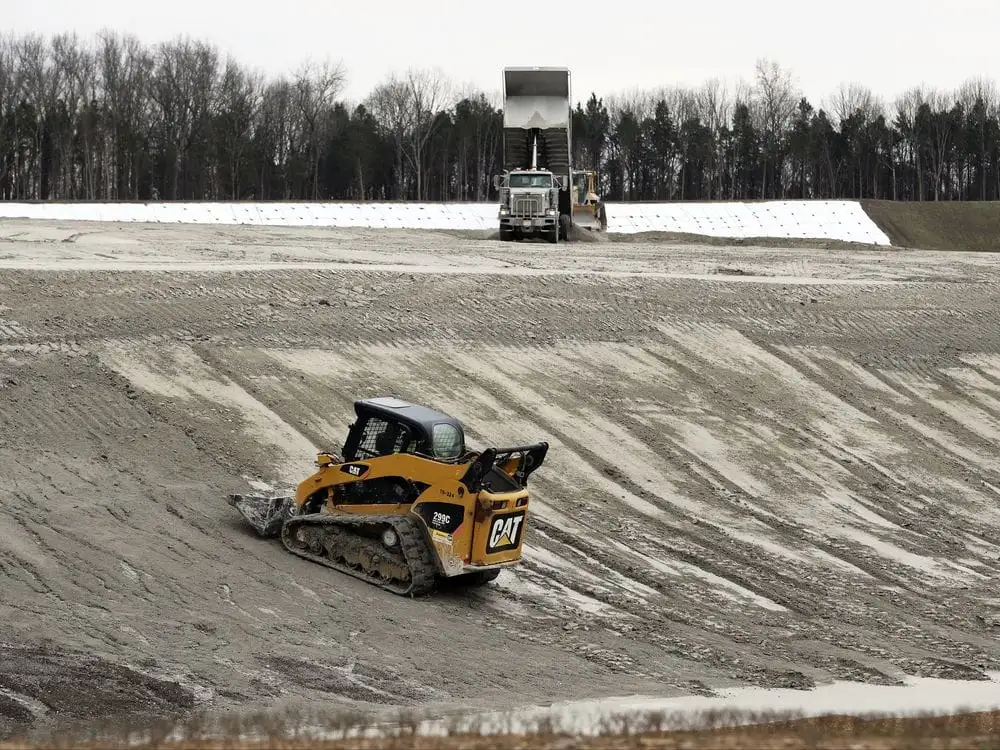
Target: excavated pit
[{"x": 771, "y": 467}]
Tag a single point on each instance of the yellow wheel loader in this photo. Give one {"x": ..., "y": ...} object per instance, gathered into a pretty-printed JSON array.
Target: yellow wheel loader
[
  {"x": 588, "y": 209},
  {"x": 407, "y": 505}
]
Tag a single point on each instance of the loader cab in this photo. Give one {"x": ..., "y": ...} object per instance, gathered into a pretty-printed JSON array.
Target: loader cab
[
  {"x": 389, "y": 425},
  {"x": 581, "y": 188}
]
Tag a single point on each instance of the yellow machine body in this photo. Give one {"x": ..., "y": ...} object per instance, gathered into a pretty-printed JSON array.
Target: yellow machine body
[
  {"x": 588, "y": 210},
  {"x": 469, "y": 531},
  {"x": 407, "y": 505}
]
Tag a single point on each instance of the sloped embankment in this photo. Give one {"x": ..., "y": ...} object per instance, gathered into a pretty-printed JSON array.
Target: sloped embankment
[
  {"x": 944, "y": 225},
  {"x": 772, "y": 480}
]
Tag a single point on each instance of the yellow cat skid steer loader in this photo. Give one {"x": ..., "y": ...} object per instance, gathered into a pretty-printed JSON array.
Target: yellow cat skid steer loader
[{"x": 407, "y": 505}]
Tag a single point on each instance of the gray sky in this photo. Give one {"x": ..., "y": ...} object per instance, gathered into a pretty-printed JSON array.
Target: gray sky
[{"x": 608, "y": 46}]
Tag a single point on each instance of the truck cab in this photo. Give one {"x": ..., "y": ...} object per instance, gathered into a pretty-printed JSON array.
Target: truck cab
[{"x": 529, "y": 204}]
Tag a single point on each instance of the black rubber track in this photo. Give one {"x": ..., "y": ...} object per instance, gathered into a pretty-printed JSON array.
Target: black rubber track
[{"x": 413, "y": 542}]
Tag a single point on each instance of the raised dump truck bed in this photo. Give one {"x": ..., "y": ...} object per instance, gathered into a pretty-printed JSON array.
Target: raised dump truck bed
[
  {"x": 540, "y": 194},
  {"x": 536, "y": 111}
]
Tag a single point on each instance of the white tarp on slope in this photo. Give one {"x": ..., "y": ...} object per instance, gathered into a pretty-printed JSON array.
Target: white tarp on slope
[{"x": 835, "y": 220}]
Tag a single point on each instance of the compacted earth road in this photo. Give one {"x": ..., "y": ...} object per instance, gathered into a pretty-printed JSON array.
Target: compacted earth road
[{"x": 768, "y": 467}]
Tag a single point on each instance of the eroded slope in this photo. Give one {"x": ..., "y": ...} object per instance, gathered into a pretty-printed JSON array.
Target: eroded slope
[{"x": 749, "y": 481}]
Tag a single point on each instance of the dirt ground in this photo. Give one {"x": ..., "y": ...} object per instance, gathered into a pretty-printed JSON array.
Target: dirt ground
[{"x": 770, "y": 467}]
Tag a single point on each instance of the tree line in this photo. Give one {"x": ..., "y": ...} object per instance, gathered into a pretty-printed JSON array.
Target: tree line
[{"x": 112, "y": 118}]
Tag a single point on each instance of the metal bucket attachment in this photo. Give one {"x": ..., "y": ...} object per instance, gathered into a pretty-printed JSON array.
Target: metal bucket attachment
[
  {"x": 266, "y": 513},
  {"x": 585, "y": 218}
]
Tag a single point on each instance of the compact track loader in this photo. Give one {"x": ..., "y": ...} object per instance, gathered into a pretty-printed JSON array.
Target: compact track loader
[{"x": 407, "y": 505}]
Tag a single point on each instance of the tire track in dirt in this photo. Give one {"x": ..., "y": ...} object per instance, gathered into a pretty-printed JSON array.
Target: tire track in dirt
[
  {"x": 721, "y": 506},
  {"x": 876, "y": 572},
  {"x": 875, "y": 386},
  {"x": 372, "y": 364},
  {"x": 144, "y": 587},
  {"x": 364, "y": 361},
  {"x": 691, "y": 549},
  {"x": 856, "y": 457}
]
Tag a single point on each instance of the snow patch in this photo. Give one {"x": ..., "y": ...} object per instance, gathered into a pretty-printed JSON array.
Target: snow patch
[{"x": 918, "y": 695}]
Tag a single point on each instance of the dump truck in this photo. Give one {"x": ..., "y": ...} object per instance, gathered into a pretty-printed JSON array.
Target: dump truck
[
  {"x": 540, "y": 193},
  {"x": 406, "y": 506}
]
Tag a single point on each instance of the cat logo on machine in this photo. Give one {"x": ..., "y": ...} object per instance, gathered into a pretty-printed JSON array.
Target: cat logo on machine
[
  {"x": 355, "y": 470},
  {"x": 505, "y": 532}
]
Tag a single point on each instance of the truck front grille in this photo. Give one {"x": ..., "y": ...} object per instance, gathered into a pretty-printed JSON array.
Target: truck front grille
[{"x": 527, "y": 204}]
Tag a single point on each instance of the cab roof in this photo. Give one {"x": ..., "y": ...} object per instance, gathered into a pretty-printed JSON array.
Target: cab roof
[{"x": 397, "y": 410}]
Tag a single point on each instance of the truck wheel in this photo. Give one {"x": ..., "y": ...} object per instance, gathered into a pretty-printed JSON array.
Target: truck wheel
[
  {"x": 506, "y": 235},
  {"x": 554, "y": 235},
  {"x": 564, "y": 225}
]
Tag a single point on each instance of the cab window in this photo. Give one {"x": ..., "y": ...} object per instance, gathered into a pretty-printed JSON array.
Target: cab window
[
  {"x": 446, "y": 441},
  {"x": 530, "y": 181},
  {"x": 381, "y": 438}
]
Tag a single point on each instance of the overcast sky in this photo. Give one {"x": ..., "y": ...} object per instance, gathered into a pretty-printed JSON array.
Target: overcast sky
[{"x": 609, "y": 46}]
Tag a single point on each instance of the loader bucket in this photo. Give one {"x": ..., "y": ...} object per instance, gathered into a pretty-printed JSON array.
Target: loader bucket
[
  {"x": 536, "y": 98},
  {"x": 266, "y": 513},
  {"x": 584, "y": 217}
]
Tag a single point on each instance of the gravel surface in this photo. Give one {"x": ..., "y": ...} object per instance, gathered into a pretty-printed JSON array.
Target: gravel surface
[{"x": 770, "y": 467}]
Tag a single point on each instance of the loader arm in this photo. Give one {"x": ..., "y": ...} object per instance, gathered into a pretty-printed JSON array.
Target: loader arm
[
  {"x": 521, "y": 460},
  {"x": 517, "y": 463}
]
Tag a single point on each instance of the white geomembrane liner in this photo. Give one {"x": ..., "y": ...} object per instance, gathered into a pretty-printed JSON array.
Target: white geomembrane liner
[{"x": 833, "y": 220}]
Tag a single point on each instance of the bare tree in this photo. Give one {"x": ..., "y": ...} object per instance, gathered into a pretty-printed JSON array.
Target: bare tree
[
  {"x": 979, "y": 99},
  {"x": 978, "y": 88},
  {"x": 390, "y": 104},
  {"x": 183, "y": 86},
  {"x": 31, "y": 51},
  {"x": 70, "y": 59},
  {"x": 714, "y": 108},
  {"x": 855, "y": 99},
  {"x": 407, "y": 108},
  {"x": 125, "y": 70},
  {"x": 855, "y": 110},
  {"x": 88, "y": 79},
  {"x": 317, "y": 85},
  {"x": 777, "y": 96},
  {"x": 684, "y": 103},
  {"x": 429, "y": 92},
  {"x": 640, "y": 103},
  {"x": 238, "y": 105},
  {"x": 942, "y": 132},
  {"x": 10, "y": 92},
  {"x": 911, "y": 127},
  {"x": 277, "y": 139}
]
